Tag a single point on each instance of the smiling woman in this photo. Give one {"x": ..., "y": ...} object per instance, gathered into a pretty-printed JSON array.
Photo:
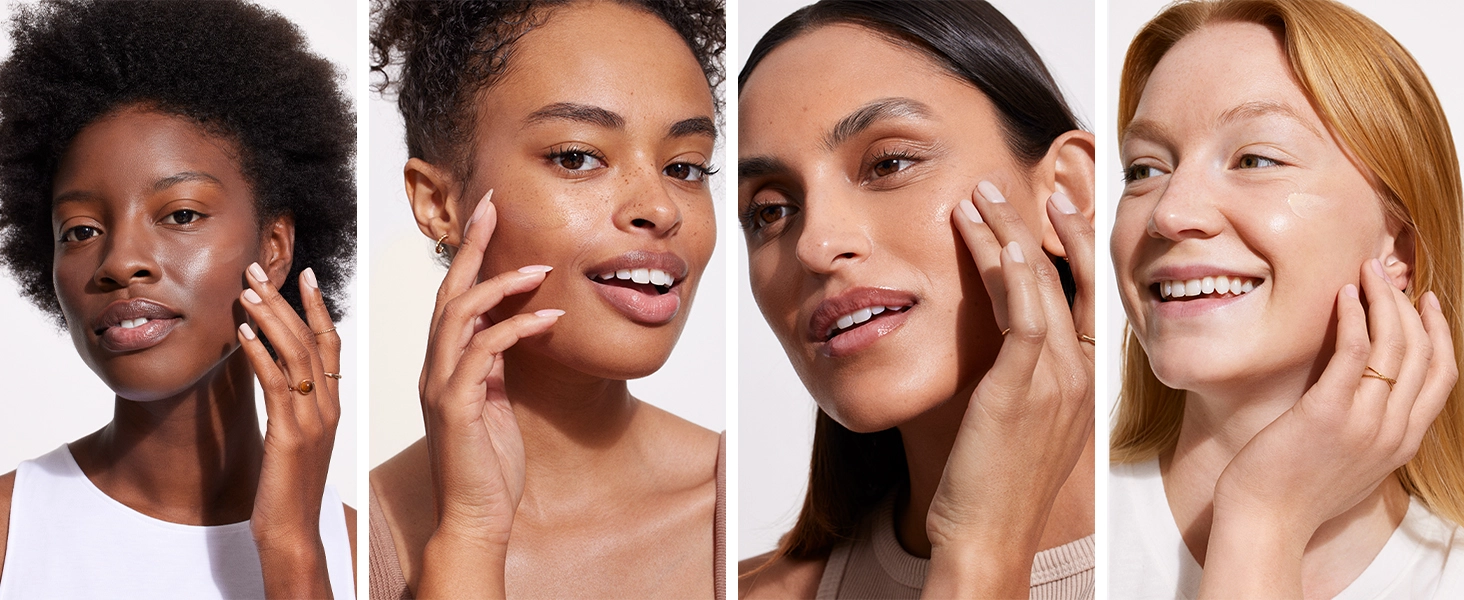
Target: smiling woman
[
  {"x": 1288, "y": 252},
  {"x": 559, "y": 157},
  {"x": 172, "y": 223}
]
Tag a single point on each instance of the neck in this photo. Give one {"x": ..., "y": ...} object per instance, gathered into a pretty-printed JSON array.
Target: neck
[
  {"x": 193, "y": 458},
  {"x": 1213, "y": 430},
  {"x": 575, "y": 429},
  {"x": 928, "y": 440}
]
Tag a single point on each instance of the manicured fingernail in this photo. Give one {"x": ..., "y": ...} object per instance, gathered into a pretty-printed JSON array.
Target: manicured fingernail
[
  {"x": 258, "y": 273},
  {"x": 252, "y": 297},
  {"x": 1350, "y": 290},
  {"x": 969, "y": 210},
  {"x": 310, "y": 278},
  {"x": 482, "y": 207},
  {"x": 536, "y": 269},
  {"x": 1377, "y": 266},
  {"x": 990, "y": 192},
  {"x": 1064, "y": 206},
  {"x": 549, "y": 312},
  {"x": 1433, "y": 300},
  {"x": 1015, "y": 251},
  {"x": 246, "y": 330}
]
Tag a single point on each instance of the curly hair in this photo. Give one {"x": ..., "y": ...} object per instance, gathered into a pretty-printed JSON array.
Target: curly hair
[
  {"x": 449, "y": 51},
  {"x": 239, "y": 71}
]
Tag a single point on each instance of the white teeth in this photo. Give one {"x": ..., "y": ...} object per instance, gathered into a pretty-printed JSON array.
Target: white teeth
[
  {"x": 876, "y": 310},
  {"x": 862, "y": 315},
  {"x": 1218, "y": 285},
  {"x": 859, "y": 316},
  {"x": 608, "y": 276},
  {"x": 622, "y": 274},
  {"x": 844, "y": 322},
  {"x": 640, "y": 275},
  {"x": 651, "y": 276},
  {"x": 133, "y": 323}
]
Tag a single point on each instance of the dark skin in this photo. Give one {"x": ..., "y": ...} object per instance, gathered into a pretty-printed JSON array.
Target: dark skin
[
  {"x": 537, "y": 461},
  {"x": 151, "y": 206}
]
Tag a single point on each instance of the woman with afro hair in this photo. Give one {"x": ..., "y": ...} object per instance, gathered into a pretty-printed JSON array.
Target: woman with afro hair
[
  {"x": 559, "y": 159},
  {"x": 176, "y": 189}
]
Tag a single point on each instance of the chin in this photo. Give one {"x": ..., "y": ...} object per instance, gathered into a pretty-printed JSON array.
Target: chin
[{"x": 876, "y": 401}]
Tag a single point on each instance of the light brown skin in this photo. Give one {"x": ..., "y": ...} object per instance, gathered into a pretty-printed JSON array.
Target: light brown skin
[
  {"x": 184, "y": 443},
  {"x": 887, "y": 206},
  {"x": 537, "y": 460},
  {"x": 1281, "y": 480}
]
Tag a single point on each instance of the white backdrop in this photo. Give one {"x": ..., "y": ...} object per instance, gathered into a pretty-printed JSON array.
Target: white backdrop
[
  {"x": 775, "y": 413},
  {"x": 49, "y": 397},
  {"x": 405, "y": 278},
  {"x": 1426, "y": 28}
]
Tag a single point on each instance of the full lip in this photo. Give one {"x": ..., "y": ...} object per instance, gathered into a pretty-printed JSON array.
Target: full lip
[
  {"x": 111, "y": 336},
  {"x": 648, "y": 306},
  {"x": 827, "y": 313}
]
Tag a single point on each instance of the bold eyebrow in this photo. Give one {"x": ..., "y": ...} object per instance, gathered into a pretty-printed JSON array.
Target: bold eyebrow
[
  {"x": 157, "y": 186},
  {"x": 695, "y": 126},
  {"x": 869, "y": 114},
  {"x": 1263, "y": 108},
  {"x": 759, "y": 166},
  {"x": 1145, "y": 129},
  {"x": 582, "y": 113}
]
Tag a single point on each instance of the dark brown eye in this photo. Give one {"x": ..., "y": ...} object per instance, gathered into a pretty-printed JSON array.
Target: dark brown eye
[
  {"x": 182, "y": 217},
  {"x": 575, "y": 160},
  {"x": 890, "y": 166},
  {"x": 80, "y": 233},
  {"x": 772, "y": 214}
]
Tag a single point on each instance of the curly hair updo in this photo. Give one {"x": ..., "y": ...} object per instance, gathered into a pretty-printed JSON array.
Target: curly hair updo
[{"x": 238, "y": 71}]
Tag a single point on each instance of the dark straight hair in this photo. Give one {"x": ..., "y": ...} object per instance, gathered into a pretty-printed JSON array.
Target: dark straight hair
[{"x": 851, "y": 472}]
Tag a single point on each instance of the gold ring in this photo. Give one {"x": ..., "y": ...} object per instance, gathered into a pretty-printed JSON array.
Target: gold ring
[
  {"x": 335, "y": 376},
  {"x": 1082, "y": 337},
  {"x": 324, "y": 332},
  {"x": 1006, "y": 331},
  {"x": 1373, "y": 373},
  {"x": 304, "y": 387},
  {"x": 441, "y": 248}
]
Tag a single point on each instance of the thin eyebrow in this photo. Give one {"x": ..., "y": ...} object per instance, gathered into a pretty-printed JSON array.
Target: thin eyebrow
[
  {"x": 695, "y": 126},
  {"x": 759, "y": 166},
  {"x": 869, "y": 114},
  {"x": 581, "y": 113},
  {"x": 1263, "y": 108}
]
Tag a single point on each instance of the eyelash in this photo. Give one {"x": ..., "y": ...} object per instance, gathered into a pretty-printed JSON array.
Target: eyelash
[
  {"x": 888, "y": 156},
  {"x": 560, "y": 152}
]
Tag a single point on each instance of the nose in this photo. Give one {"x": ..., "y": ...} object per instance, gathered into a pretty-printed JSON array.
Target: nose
[
  {"x": 1186, "y": 209},
  {"x": 649, "y": 207},
  {"x": 128, "y": 258},
  {"x": 833, "y": 234}
]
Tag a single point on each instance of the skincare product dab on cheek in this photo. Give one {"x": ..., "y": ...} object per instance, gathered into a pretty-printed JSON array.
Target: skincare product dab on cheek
[{"x": 1305, "y": 205}]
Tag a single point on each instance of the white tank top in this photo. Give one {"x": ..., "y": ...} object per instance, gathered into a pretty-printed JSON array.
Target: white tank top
[{"x": 70, "y": 540}]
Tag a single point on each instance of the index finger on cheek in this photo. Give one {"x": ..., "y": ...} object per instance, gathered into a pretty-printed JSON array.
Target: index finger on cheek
[
  {"x": 986, "y": 252},
  {"x": 263, "y": 289}
]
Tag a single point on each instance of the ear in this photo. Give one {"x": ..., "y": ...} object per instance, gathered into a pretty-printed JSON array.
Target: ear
[
  {"x": 1397, "y": 253},
  {"x": 433, "y": 195},
  {"x": 1067, "y": 168},
  {"x": 277, "y": 249}
]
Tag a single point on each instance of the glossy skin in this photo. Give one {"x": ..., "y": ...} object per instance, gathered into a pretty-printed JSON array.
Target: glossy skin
[
  {"x": 537, "y": 461},
  {"x": 1281, "y": 477},
  {"x": 151, "y": 206},
  {"x": 925, "y": 207},
  {"x": 882, "y": 219}
]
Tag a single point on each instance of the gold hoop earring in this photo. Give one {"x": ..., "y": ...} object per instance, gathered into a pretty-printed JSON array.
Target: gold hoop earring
[{"x": 441, "y": 248}]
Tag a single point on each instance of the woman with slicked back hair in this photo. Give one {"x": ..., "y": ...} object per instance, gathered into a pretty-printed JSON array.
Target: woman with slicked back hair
[{"x": 918, "y": 223}]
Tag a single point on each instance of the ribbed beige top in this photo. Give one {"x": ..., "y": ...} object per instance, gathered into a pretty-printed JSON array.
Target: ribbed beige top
[
  {"x": 386, "y": 581},
  {"x": 874, "y": 565}
]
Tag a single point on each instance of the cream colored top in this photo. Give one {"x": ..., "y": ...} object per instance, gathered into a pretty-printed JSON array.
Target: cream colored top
[{"x": 874, "y": 565}]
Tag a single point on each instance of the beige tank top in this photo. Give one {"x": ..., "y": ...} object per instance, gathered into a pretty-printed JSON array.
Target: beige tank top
[
  {"x": 874, "y": 565},
  {"x": 387, "y": 582}
]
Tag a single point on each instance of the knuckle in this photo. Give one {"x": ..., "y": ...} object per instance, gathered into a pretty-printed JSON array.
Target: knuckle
[
  {"x": 1395, "y": 345},
  {"x": 1357, "y": 349},
  {"x": 1010, "y": 218}
]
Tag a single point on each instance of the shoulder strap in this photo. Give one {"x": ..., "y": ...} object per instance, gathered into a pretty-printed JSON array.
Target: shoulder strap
[
  {"x": 386, "y": 580},
  {"x": 719, "y": 535}
]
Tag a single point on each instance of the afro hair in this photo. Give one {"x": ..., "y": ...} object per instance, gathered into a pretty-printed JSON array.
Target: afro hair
[{"x": 238, "y": 71}]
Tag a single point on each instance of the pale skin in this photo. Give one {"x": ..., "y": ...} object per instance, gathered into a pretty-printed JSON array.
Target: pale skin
[
  {"x": 943, "y": 210},
  {"x": 1281, "y": 481},
  {"x": 537, "y": 461},
  {"x": 131, "y": 227}
]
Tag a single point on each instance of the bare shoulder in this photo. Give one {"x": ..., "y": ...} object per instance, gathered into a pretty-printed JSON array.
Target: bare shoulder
[
  {"x": 782, "y": 578},
  {"x": 7, "y": 487},
  {"x": 688, "y": 449},
  {"x": 402, "y": 486}
]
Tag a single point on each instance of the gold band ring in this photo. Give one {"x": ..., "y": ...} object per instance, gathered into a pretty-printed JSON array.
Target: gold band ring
[
  {"x": 335, "y": 376},
  {"x": 323, "y": 332},
  {"x": 1373, "y": 373},
  {"x": 1006, "y": 331},
  {"x": 1087, "y": 338},
  {"x": 304, "y": 387},
  {"x": 441, "y": 248}
]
